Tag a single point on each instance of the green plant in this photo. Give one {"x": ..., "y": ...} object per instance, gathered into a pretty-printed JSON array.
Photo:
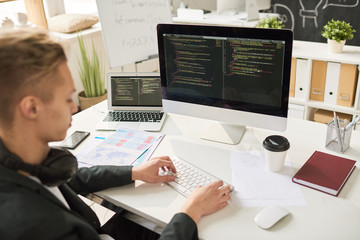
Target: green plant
[
  {"x": 338, "y": 30},
  {"x": 270, "y": 23},
  {"x": 91, "y": 71}
]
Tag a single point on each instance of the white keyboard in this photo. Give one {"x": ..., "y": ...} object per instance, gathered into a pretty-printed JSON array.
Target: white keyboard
[{"x": 188, "y": 177}]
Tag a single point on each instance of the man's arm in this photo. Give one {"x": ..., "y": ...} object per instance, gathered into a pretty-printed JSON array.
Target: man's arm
[
  {"x": 203, "y": 200},
  {"x": 181, "y": 227},
  {"x": 97, "y": 178}
]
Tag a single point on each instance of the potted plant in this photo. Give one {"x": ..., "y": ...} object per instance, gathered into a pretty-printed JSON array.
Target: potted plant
[
  {"x": 337, "y": 32},
  {"x": 270, "y": 23},
  {"x": 92, "y": 77}
]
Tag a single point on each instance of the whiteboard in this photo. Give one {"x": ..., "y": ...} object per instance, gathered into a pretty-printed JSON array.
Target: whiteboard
[{"x": 129, "y": 28}]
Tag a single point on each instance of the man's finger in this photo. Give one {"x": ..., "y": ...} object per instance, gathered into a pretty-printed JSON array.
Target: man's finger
[
  {"x": 167, "y": 178},
  {"x": 217, "y": 184},
  {"x": 168, "y": 164},
  {"x": 225, "y": 190}
]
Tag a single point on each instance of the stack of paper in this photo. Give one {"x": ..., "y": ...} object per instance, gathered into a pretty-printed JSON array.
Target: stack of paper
[{"x": 256, "y": 186}]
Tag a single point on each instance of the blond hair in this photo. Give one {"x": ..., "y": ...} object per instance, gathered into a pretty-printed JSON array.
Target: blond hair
[{"x": 27, "y": 58}]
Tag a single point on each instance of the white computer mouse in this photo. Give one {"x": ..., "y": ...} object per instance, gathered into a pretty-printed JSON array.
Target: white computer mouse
[{"x": 267, "y": 217}]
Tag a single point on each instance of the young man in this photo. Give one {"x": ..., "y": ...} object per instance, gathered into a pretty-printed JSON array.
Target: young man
[{"x": 39, "y": 184}]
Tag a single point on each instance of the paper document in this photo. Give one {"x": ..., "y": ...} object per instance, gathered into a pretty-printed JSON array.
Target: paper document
[
  {"x": 256, "y": 186},
  {"x": 123, "y": 147}
]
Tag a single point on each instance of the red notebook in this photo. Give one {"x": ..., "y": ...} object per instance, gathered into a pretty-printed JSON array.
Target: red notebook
[{"x": 325, "y": 172}]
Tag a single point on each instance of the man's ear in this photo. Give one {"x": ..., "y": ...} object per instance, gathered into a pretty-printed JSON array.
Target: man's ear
[{"x": 30, "y": 107}]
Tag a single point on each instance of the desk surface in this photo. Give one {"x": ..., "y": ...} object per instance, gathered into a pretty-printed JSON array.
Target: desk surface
[{"x": 324, "y": 217}]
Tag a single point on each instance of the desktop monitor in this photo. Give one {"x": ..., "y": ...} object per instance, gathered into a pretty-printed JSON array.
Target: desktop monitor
[
  {"x": 235, "y": 76},
  {"x": 250, "y": 7},
  {"x": 208, "y": 5}
]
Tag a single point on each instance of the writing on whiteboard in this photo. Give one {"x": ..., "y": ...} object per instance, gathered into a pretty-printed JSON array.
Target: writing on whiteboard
[
  {"x": 138, "y": 41},
  {"x": 121, "y": 19},
  {"x": 129, "y": 28}
]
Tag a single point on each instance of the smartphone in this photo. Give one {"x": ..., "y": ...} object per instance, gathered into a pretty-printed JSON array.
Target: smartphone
[{"x": 74, "y": 140}]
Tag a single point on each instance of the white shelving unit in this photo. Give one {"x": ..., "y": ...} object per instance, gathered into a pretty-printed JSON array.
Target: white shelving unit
[{"x": 319, "y": 51}]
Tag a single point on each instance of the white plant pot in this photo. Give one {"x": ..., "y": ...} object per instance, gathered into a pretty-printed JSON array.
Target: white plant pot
[{"x": 335, "y": 47}]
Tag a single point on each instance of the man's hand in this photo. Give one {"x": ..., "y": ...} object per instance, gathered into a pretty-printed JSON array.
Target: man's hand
[
  {"x": 206, "y": 200},
  {"x": 149, "y": 171}
]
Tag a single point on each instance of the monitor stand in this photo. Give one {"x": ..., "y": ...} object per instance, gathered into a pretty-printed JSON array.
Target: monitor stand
[{"x": 224, "y": 133}]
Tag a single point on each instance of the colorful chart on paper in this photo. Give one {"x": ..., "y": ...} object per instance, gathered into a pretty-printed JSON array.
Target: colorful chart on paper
[{"x": 123, "y": 147}]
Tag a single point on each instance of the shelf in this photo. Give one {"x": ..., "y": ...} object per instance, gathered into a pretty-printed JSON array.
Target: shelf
[
  {"x": 319, "y": 51},
  {"x": 312, "y": 51},
  {"x": 321, "y": 105}
]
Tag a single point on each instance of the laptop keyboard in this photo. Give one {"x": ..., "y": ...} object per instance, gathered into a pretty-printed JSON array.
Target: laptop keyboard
[
  {"x": 188, "y": 177},
  {"x": 134, "y": 116}
]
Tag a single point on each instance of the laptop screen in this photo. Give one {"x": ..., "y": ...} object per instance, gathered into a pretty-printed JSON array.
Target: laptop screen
[{"x": 135, "y": 91}]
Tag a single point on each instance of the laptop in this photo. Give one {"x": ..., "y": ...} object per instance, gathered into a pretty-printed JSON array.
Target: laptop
[{"x": 134, "y": 101}]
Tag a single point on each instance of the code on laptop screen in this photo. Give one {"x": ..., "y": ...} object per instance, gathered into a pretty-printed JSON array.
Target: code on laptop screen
[{"x": 138, "y": 91}]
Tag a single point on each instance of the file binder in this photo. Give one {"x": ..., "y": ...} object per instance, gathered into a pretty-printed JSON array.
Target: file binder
[
  {"x": 332, "y": 82},
  {"x": 301, "y": 78},
  {"x": 347, "y": 84},
  {"x": 292, "y": 78},
  {"x": 318, "y": 77}
]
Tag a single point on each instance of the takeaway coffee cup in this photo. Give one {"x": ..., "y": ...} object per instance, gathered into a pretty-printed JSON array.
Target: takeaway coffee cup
[{"x": 275, "y": 152}]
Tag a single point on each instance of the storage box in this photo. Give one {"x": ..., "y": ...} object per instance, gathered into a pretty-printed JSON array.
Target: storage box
[{"x": 324, "y": 116}]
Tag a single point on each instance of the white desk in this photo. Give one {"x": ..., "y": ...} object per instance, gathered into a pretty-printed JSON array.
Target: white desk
[
  {"x": 224, "y": 20},
  {"x": 325, "y": 216}
]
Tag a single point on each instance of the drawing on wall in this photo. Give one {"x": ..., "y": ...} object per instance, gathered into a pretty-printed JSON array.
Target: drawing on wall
[
  {"x": 307, "y": 17},
  {"x": 341, "y": 3},
  {"x": 309, "y": 10},
  {"x": 285, "y": 15}
]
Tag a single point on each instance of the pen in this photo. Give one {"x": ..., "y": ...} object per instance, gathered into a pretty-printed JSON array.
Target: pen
[
  {"x": 102, "y": 138},
  {"x": 346, "y": 122},
  {"x": 353, "y": 122},
  {"x": 337, "y": 128}
]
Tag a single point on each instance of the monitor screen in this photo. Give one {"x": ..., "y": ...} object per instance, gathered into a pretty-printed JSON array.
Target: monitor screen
[{"x": 243, "y": 70}]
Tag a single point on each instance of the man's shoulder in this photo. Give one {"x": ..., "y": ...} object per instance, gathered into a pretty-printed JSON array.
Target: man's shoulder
[
  {"x": 20, "y": 199},
  {"x": 29, "y": 215}
]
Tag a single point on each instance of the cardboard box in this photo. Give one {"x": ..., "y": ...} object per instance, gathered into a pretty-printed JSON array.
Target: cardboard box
[{"x": 325, "y": 116}]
